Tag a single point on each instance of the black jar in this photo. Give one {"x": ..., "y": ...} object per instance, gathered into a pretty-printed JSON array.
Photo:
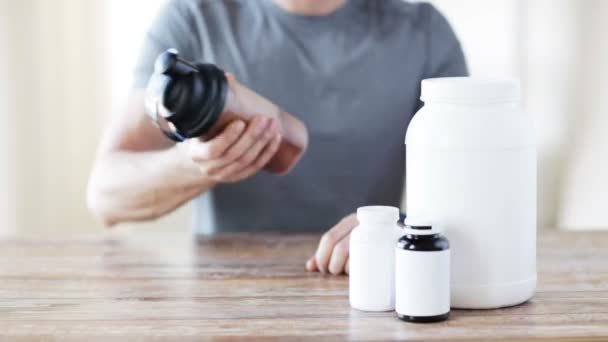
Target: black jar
[{"x": 422, "y": 276}]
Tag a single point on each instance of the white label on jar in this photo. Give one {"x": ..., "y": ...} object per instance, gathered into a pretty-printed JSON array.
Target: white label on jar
[
  {"x": 422, "y": 282},
  {"x": 372, "y": 278}
]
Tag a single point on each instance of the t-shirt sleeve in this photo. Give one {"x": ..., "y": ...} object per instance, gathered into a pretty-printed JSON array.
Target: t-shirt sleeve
[
  {"x": 445, "y": 55},
  {"x": 172, "y": 28}
]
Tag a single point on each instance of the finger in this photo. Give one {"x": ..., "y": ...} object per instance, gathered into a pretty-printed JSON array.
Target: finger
[
  {"x": 254, "y": 131},
  {"x": 269, "y": 151},
  {"x": 216, "y": 147},
  {"x": 330, "y": 239},
  {"x": 347, "y": 266},
  {"x": 311, "y": 265},
  {"x": 248, "y": 159},
  {"x": 339, "y": 256}
]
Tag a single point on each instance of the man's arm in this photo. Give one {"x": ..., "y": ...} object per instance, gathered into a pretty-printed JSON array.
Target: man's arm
[{"x": 140, "y": 175}]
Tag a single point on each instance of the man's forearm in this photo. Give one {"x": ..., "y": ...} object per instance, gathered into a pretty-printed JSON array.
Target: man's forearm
[{"x": 135, "y": 186}]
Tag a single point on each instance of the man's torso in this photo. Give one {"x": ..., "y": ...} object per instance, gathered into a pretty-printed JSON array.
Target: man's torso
[{"x": 352, "y": 77}]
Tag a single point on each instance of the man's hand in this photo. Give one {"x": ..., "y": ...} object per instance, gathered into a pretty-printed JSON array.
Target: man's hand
[
  {"x": 238, "y": 152},
  {"x": 332, "y": 253}
]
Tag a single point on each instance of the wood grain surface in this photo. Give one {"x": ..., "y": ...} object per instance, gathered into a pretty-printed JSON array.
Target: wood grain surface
[{"x": 140, "y": 286}]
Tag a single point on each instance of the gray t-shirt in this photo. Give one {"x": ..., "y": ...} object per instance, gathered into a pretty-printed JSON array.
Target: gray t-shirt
[{"x": 353, "y": 77}]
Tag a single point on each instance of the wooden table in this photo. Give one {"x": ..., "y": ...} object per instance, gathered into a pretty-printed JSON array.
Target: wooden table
[{"x": 139, "y": 286}]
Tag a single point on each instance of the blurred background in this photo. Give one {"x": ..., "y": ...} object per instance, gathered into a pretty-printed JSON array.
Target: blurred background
[{"x": 65, "y": 66}]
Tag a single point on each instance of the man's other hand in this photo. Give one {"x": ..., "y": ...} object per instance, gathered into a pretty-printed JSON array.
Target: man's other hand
[{"x": 333, "y": 251}]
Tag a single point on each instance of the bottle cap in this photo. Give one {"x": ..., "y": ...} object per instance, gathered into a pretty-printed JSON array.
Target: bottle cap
[
  {"x": 419, "y": 226},
  {"x": 470, "y": 90},
  {"x": 185, "y": 99},
  {"x": 169, "y": 63},
  {"x": 378, "y": 214}
]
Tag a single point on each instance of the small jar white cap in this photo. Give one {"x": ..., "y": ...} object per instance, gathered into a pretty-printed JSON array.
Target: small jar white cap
[
  {"x": 378, "y": 214},
  {"x": 470, "y": 90}
]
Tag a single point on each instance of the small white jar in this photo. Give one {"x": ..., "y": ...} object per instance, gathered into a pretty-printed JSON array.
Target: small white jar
[{"x": 372, "y": 259}]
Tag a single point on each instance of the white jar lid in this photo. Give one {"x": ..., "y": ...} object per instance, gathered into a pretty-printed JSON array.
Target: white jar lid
[
  {"x": 378, "y": 214},
  {"x": 470, "y": 90}
]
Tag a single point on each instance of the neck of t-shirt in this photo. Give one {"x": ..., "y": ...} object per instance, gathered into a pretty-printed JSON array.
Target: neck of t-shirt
[
  {"x": 340, "y": 9},
  {"x": 310, "y": 8}
]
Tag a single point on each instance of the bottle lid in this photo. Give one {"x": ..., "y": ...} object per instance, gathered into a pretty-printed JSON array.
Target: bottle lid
[
  {"x": 378, "y": 214},
  {"x": 470, "y": 90},
  {"x": 419, "y": 226},
  {"x": 185, "y": 99}
]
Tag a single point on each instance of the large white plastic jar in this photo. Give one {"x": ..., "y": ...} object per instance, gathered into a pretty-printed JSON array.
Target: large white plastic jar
[{"x": 471, "y": 166}]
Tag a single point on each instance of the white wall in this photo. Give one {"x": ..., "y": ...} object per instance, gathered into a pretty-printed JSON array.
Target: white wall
[
  {"x": 126, "y": 23},
  {"x": 582, "y": 203},
  {"x": 59, "y": 90},
  {"x": 70, "y": 69},
  {"x": 552, "y": 77},
  {"x": 7, "y": 217},
  {"x": 489, "y": 32}
]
